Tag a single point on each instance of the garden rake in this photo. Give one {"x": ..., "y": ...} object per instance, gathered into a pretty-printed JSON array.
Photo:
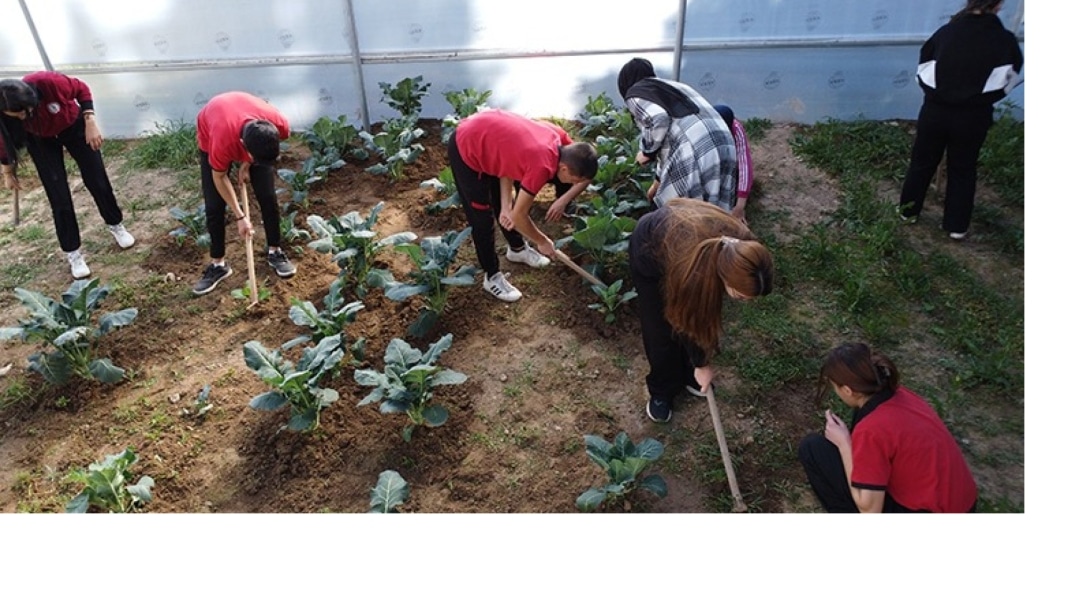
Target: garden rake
[
  {"x": 249, "y": 244},
  {"x": 562, "y": 257},
  {"x": 735, "y": 493}
]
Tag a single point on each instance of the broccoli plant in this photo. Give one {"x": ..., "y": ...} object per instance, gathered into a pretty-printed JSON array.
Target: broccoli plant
[
  {"x": 432, "y": 278},
  {"x": 625, "y": 463},
  {"x": 328, "y": 322},
  {"x": 296, "y": 385},
  {"x": 326, "y": 133},
  {"x": 354, "y": 245},
  {"x": 603, "y": 235},
  {"x": 600, "y": 117},
  {"x": 611, "y": 299},
  {"x": 106, "y": 486},
  {"x": 465, "y": 102},
  {"x": 407, "y": 384},
  {"x": 66, "y": 328},
  {"x": 193, "y": 225},
  {"x": 390, "y": 492},
  {"x": 396, "y": 147},
  {"x": 406, "y": 97},
  {"x": 443, "y": 184},
  {"x": 314, "y": 169}
]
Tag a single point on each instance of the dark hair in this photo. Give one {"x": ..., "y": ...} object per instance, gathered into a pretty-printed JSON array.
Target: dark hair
[
  {"x": 18, "y": 95},
  {"x": 581, "y": 158},
  {"x": 856, "y": 366},
  {"x": 699, "y": 258},
  {"x": 15, "y": 95},
  {"x": 976, "y": 6},
  {"x": 726, "y": 113},
  {"x": 262, "y": 140}
]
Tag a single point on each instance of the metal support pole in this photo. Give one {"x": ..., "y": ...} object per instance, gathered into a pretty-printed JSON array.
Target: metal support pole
[
  {"x": 34, "y": 33},
  {"x": 353, "y": 39},
  {"x": 679, "y": 42}
]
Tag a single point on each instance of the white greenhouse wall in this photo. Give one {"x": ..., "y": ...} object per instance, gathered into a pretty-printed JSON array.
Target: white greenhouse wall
[{"x": 150, "y": 62}]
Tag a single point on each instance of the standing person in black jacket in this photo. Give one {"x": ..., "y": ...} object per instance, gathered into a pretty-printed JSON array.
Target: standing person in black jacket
[{"x": 966, "y": 66}]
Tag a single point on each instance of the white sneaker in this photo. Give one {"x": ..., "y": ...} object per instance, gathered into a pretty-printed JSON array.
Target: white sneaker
[
  {"x": 499, "y": 287},
  {"x": 957, "y": 236},
  {"x": 528, "y": 256},
  {"x": 122, "y": 236},
  {"x": 77, "y": 264}
]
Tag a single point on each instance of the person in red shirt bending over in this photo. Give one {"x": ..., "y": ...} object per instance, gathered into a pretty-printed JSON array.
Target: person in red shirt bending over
[
  {"x": 239, "y": 128},
  {"x": 492, "y": 154},
  {"x": 48, "y": 113},
  {"x": 897, "y": 455}
]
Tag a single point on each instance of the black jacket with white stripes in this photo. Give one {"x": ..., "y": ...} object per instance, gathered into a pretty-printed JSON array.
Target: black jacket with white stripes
[{"x": 971, "y": 61}]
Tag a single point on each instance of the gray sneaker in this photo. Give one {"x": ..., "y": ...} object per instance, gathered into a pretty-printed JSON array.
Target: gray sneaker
[
  {"x": 278, "y": 260},
  {"x": 213, "y": 274}
]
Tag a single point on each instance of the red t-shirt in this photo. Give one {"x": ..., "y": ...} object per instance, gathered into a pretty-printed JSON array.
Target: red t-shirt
[
  {"x": 220, "y": 122},
  {"x": 504, "y": 144},
  {"x": 904, "y": 448}
]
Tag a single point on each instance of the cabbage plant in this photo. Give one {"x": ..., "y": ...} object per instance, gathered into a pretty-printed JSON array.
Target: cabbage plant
[
  {"x": 66, "y": 330},
  {"x": 625, "y": 463}
]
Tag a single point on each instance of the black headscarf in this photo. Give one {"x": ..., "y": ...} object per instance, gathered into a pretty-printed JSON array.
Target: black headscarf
[{"x": 637, "y": 80}]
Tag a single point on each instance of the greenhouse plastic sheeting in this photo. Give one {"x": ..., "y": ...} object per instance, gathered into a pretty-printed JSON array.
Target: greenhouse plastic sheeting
[{"x": 151, "y": 62}]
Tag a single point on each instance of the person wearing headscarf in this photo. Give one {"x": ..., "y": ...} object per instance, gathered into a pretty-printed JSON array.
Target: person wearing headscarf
[{"x": 691, "y": 145}]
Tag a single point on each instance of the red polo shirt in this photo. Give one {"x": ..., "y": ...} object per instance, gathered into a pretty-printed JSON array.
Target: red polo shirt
[
  {"x": 904, "y": 448},
  {"x": 504, "y": 144},
  {"x": 220, "y": 122}
]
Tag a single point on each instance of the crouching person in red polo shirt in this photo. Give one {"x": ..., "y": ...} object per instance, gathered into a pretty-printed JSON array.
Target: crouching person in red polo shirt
[
  {"x": 239, "y": 128},
  {"x": 897, "y": 455}
]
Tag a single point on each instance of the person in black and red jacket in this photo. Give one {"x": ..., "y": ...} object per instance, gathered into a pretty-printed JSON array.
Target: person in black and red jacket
[
  {"x": 897, "y": 455},
  {"x": 48, "y": 112},
  {"x": 966, "y": 67}
]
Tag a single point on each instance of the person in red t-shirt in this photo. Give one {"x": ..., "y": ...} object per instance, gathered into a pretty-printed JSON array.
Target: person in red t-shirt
[
  {"x": 48, "y": 113},
  {"x": 495, "y": 152},
  {"x": 239, "y": 128},
  {"x": 897, "y": 455}
]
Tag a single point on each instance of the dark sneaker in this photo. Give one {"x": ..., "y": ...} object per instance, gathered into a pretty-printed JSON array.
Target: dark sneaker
[
  {"x": 278, "y": 260},
  {"x": 907, "y": 216},
  {"x": 213, "y": 274},
  {"x": 659, "y": 410}
]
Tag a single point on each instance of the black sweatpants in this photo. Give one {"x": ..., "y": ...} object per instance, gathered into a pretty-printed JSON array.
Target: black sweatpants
[
  {"x": 480, "y": 195},
  {"x": 215, "y": 208},
  {"x": 960, "y": 133},
  {"x": 48, "y": 156}
]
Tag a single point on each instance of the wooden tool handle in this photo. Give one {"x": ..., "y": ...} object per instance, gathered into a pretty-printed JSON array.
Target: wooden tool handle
[{"x": 735, "y": 493}]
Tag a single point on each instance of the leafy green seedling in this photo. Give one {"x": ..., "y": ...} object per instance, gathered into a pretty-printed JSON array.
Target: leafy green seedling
[
  {"x": 354, "y": 245},
  {"x": 432, "y": 277},
  {"x": 66, "y": 328},
  {"x": 611, "y": 299},
  {"x": 330, "y": 321},
  {"x": 390, "y": 492},
  {"x": 106, "y": 486},
  {"x": 193, "y": 226},
  {"x": 295, "y": 385},
  {"x": 406, "y": 96},
  {"x": 625, "y": 464},
  {"x": 407, "y": 384},
  {"x": 443, "y": 184}
]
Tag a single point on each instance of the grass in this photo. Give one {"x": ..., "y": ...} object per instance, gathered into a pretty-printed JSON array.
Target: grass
[{"x": 171, "y": 145}]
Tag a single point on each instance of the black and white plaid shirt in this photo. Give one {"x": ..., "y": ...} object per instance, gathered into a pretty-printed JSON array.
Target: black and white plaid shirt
[{"x": 696, "y": 154}]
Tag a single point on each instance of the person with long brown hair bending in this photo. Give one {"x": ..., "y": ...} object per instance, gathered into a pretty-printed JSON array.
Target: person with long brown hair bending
[
  {"x": 685, "y": 258},
  {"x": 897, "y": 455}
]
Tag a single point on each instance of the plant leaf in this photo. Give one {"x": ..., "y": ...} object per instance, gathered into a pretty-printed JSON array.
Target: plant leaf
[
  {"x": 80, "y": 503},
  {"x": 590, "y": 500},
  {"x": 268, "y": 401},
  {"x": 435, "y": 415},
  {"x": 391, "y": 491},
  {"x": 105, "y": 371},
  {"x": 142, "y": 489},
  {"x": 655, "y": 484},
  {"x": 447, "y": 377}
]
